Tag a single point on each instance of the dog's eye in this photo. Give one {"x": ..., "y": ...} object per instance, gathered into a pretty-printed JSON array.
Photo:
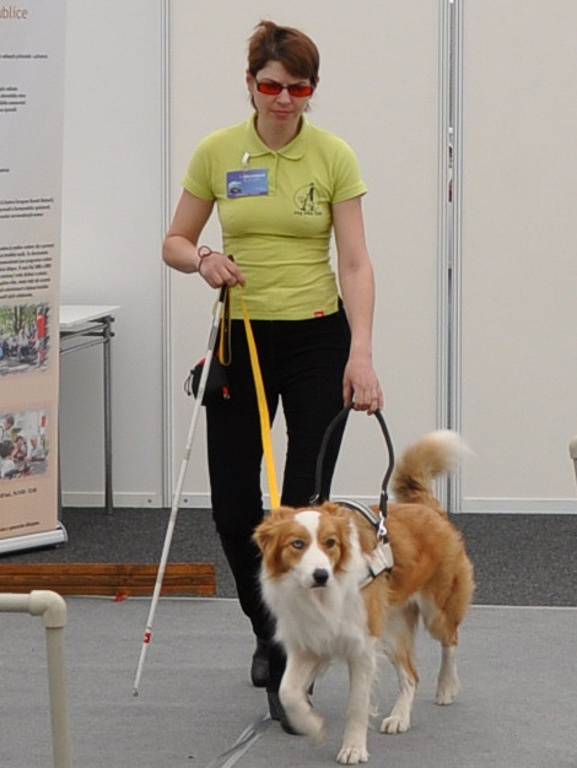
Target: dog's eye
[
  {"x": 330, "y": 543},
  {"x": 297, "y": 544}
]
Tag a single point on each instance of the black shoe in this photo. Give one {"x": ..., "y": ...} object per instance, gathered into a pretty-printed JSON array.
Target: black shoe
[
  {"x": 277, "y": 713},
  {"x": 259, "y": 667}
]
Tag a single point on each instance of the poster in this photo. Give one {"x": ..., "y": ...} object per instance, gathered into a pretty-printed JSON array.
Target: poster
[{"x": 31, "y": 125}]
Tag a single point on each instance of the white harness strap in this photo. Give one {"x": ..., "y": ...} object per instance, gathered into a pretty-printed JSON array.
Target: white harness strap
[{"x": 381, "y": 559}]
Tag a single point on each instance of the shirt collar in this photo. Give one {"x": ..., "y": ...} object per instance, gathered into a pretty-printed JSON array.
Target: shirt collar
[{"x": 256, "y": 147}]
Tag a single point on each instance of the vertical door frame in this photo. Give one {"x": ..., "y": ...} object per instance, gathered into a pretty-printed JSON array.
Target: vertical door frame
[
  {"x": 449, "y": 294},
  {"x": 167, "y": 356}
]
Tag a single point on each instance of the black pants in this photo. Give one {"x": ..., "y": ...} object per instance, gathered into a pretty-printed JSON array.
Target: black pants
[{"x": 302, "y": 364}]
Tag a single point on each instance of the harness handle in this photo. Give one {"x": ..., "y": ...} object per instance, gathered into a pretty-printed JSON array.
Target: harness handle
[{"x": 320, "y": 494}]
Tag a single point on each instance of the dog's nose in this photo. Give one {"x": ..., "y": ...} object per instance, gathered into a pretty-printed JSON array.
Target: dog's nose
[{"x": 320, "y": 576}]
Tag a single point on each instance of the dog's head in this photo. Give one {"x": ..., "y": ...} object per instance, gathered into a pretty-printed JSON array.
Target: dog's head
[{"x": 310, "y": 545}]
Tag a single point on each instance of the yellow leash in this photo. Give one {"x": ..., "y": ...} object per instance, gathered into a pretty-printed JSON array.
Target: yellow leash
[{"x": 262, "y": 409}]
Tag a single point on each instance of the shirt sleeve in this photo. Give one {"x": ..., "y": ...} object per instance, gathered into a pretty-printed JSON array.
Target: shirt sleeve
[
  {"x": 198, "y": 175},
  {"x": 348, "y": 182}
]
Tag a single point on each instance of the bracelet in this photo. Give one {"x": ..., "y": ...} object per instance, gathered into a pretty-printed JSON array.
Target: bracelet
[{"x": 203, "y": 251}]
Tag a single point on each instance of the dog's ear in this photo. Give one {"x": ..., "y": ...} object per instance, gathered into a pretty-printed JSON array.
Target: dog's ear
[
  {"x": 340, "y": 525},
  {"x": 344, "y": 528},
  {"x": 265, "y": 533},
  {"x": 334, "y": 509}
]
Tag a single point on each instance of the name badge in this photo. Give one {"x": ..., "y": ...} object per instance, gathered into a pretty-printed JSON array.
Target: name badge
[{"x": 249, "y": 183}]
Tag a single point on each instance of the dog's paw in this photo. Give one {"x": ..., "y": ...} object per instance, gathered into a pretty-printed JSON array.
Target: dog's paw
[
  {"x": 395, "y": 724},
  {"x": 447, "y": 692},
  {"x": 352, "y": 754}
]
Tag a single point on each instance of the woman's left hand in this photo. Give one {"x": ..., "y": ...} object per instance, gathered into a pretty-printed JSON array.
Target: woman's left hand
[{"x": 361, "y": 386}]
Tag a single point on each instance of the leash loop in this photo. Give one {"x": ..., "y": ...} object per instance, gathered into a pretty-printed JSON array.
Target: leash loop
[
  {"x": 322, "y": 494},
  {"x": 265, "y": 429}
]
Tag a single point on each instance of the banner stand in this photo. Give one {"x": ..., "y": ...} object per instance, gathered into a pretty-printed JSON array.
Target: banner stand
[
  {"x": 31, "y": 133},
  {"x": 34, "y": 540}
]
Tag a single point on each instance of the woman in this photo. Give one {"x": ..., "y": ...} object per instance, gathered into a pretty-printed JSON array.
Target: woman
[{"x": 281, "y": 186}]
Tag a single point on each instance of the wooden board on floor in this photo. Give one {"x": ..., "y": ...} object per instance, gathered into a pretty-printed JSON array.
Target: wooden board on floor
[{"x": 126, "y": 579}]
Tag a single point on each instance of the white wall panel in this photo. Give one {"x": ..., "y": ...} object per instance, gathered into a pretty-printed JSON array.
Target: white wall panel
[
  {"x": 379, "y": 91},
  {"x": 519, "y": 253},
  {"x": 111, "y": 242}
]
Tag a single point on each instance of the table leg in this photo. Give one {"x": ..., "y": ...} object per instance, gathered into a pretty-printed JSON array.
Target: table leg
[{"x": 107, "y": 335}]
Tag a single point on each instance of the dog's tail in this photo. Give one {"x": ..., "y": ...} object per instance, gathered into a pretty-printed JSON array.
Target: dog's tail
[{"x": 434, "y": 455}]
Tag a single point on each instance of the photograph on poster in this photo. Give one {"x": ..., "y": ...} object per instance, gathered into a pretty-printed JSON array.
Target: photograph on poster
[
  {"x": 23, "y": 444},
  {"x": 24, "y": 339}
]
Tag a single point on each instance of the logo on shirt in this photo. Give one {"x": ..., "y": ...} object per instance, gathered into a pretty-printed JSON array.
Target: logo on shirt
[{"x": 306, "y": 201}]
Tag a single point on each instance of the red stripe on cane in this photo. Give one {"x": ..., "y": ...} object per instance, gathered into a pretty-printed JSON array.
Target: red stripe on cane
[{"x": 147, "y": 637}]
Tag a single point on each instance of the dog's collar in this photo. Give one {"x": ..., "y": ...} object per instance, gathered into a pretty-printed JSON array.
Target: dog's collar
[{"x": 380, "y": 560}]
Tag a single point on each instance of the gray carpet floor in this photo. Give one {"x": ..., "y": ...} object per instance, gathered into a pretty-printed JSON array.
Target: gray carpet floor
[
  {"x": 519, "y": 559},
  {"x": 517, "y": 708}
]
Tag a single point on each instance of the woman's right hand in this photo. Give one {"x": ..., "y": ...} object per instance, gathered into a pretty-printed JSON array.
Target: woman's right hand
[{"x": 218, "y": 270}]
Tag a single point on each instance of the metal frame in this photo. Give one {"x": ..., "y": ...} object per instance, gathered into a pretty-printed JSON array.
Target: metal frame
[
  {"x": 443, "y": 234},
  {"x": 167, "y": 356},
  {"x": 455, "y": 317},
  {"x": 449, "y": 240}
]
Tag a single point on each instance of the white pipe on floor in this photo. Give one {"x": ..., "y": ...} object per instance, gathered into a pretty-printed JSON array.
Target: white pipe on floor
[
  {"x": 573, "y": 453},
  {"x": 52, "y": 608}
]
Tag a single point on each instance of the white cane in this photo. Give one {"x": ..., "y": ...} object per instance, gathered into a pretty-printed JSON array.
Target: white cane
[{"x": 178, "y": 491}]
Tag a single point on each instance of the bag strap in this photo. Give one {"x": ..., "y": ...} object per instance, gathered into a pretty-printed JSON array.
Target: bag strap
[{"x": 322, "y": 494}]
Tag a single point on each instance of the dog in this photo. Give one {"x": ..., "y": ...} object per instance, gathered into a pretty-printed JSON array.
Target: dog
[{"x": 313, "y": 565}]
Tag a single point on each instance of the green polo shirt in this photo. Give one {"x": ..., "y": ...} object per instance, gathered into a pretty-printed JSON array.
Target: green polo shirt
[{"x": 275, "y": 211}]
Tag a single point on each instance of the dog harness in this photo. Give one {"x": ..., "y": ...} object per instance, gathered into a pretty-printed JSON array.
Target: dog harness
[{"x": 381, "y": 559}]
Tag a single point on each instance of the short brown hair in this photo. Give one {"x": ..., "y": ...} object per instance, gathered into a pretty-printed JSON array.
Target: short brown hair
[{"x": 291, "y": 47}]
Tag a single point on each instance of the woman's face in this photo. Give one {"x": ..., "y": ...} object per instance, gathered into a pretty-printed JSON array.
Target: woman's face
[{"x": 284, "y": 107}]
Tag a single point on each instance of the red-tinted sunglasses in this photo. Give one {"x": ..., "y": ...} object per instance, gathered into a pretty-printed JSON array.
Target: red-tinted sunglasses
[{"x": 272, "y": 88}]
